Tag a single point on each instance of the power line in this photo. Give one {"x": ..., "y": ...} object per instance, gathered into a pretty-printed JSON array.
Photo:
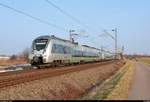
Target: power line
[
  {"x": 68, "y": 15},
  {"x": 33, "y": 17}
]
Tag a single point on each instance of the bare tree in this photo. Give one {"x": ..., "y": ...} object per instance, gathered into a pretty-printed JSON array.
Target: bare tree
[
  {"x": 25, "y": 54},
  {"x": 13, "y": 57}
]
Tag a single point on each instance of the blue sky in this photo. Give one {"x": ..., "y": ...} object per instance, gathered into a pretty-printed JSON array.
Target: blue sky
[{"x": 131, "y": 17}]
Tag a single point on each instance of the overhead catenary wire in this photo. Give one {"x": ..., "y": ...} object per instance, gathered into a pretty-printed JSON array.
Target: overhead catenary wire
[
  {"x": 33, "y": 17},
  {"x": 69, "y": 15}
]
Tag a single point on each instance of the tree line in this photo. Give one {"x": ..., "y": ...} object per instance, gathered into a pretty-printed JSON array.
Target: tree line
[{"x": 24, "y": 54}]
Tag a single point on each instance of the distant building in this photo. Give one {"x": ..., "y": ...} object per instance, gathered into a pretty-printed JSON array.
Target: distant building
[{"x": 4, "y": 57}]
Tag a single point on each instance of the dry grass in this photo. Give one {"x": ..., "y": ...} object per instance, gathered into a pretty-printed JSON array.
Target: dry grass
[
  {"x": 12, "y": 62},
  {"x": 114, "y": 88},
  {"x": 122, "y": 88},
  {"x": 146, "y": 60}
]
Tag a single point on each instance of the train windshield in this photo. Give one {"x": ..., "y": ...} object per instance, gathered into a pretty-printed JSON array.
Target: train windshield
[{"x": 40, "y": 44}]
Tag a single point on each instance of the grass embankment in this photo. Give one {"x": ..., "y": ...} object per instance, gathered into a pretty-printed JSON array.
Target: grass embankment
[
  {"x": 116, "y": 87},
  {"x": 145, "y": 60}
]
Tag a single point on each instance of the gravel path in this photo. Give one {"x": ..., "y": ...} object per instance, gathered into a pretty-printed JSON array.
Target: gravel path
[{"x": 140, "y": 89}]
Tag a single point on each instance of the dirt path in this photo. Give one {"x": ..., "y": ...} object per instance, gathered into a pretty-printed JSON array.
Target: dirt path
[{"x": 140, "y": 89}]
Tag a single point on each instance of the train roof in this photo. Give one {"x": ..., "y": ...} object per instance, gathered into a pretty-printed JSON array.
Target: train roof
[
  {"x": 54, "y": 37},
  {"x": 90, "y": 47},
  {"x": 43, "y": 37}
]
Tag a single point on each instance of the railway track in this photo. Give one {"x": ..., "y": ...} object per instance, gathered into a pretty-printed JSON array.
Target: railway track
[{"x": 14, "y": 78}]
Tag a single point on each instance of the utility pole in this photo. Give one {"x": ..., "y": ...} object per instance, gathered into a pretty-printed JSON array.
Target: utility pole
[
  {"x": 71, "y": 35},
  {"x": 116, "y": 41},
  {"x": 122, "y": 52},
  {"x": 101, "y": 52},
  {"x": 122, "y": 49}
]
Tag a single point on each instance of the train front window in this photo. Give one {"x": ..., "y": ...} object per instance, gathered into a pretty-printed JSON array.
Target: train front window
[{"x": 40, "y": 44}]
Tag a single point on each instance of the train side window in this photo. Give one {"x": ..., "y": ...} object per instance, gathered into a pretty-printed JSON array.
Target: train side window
[
  {"x": 54, "y": 48},
  {"x": 77, "y": 53},
  {"x": 65, "y": 50},
  {"x": 68, "y": 50},
  {"x": 60, "y": 49},
  {"x": 84, "y": 54},
  {"x": 80, "y": 53},
  {"x": 73, "y": 52}
]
